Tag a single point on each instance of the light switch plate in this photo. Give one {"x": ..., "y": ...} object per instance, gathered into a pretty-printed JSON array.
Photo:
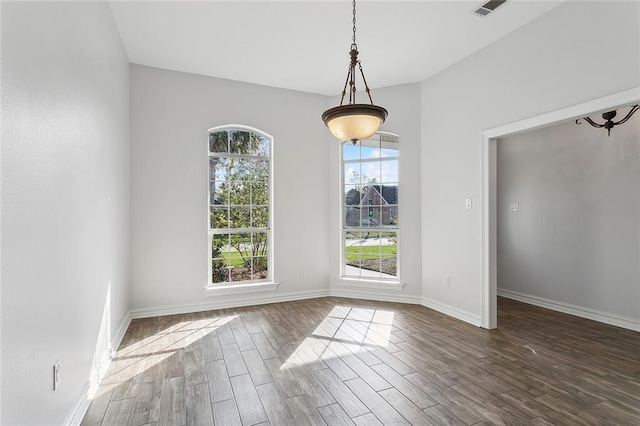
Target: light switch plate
[{"x": 514, "y": 207}]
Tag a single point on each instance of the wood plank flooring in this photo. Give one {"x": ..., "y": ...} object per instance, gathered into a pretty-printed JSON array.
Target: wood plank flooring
[{"x": 333, "y": 361}]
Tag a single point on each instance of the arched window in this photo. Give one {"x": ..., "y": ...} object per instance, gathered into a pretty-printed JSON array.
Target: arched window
[
  {"x": 240, "y": 238},
  {"x": 370, "y": 208}
]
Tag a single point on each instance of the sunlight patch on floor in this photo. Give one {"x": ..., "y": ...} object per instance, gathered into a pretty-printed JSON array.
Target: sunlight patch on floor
[
  {"x": 345, "y": 330},
  {"x": 143, "y": 355}
]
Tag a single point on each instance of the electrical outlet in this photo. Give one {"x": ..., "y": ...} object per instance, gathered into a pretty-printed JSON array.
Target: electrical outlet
[
  {"x": 303, "y": 270},
  {"x": 447, "y": 282},
  {"x": 468, "y": 203},
  {"x": 56, "y": 375}
]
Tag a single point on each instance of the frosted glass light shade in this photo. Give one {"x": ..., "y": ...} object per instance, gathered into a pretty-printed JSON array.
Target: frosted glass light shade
[{"x": 354, "y": 122}]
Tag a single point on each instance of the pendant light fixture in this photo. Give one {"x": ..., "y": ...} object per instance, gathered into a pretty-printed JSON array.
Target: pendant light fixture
[{"x": 354, "y": 121}]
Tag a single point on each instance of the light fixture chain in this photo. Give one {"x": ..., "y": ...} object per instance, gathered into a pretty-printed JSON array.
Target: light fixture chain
[
  {"x": 354, "y": 22},
  {"x": 354, "y": 121}
]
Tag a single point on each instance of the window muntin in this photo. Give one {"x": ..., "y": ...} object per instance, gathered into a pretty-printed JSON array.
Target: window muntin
[
  {"x": 370, "y": 208},
  {"x": 239, "y": 205}
]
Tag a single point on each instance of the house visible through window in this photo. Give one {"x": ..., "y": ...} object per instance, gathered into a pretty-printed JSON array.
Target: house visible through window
[
  {"x": 370, "y": 208},
  {"x": 239, "y": 205}
]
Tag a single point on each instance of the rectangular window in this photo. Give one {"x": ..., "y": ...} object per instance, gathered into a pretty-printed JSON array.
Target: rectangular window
[
  {"x": 370, "y": 208},
  {"x": 239, "y": 205}
]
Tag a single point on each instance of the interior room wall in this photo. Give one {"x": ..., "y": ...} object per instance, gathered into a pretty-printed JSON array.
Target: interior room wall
[
  {"x": 65, "y": 207},
  {"x": 170, "y": 115},
  {"x": 403, "y": 104},
  {"x": 561, "y": 59},
  {"x": 575, "y": 238}
]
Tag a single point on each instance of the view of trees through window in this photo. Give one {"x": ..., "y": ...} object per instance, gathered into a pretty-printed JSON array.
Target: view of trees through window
[
  {"x": 239, "y": 179},
  {"x": 370, "y": 209}
]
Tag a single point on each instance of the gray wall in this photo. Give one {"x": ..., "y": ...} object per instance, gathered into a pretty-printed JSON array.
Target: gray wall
[
  {"x": 170, "y": 115},
  {"x": 65, "y": 202},
  {"x": 576, "y": 237},
  {"x": 544, "y": 66}
]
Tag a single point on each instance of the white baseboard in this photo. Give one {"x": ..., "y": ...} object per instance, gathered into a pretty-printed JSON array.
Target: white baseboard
[
  {"x": 368, "y": 295},
  {"x": 77, "y": 413},
  {"x": 124, "y": 326},
  {"x": 579, "y": 311},
  {"x": 226, "y": 303},
  {"x": 452, "y": 312}
]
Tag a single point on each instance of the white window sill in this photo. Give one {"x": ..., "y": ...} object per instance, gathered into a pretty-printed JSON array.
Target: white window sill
[
  {"x": 231, "y": 289},
  {"x": 371, "y": 283}
]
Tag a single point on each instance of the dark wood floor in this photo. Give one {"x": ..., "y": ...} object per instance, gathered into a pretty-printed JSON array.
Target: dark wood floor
[{"x": 343, "y": 362}]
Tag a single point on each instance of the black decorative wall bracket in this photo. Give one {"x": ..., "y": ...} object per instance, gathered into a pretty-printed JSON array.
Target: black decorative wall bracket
[{"x": 608, "y": 117}]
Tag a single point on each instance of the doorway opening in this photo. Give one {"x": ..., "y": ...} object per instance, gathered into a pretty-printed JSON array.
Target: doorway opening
[{"x": 489, "y": 183}]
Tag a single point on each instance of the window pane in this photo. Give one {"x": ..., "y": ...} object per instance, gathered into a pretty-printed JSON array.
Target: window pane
[
  {"x": 241, "y": 142},
  {"x": 259, "y": 192},
  {"x": 260, "y": 268},
  {"x": 370, "y": 215},
  {"x": 370, "y": 172},
  {"x": 219, "y": 245},
  {"x": 241, "y": 257},
  {"x": 351, "y": 216},
  {"x": 352, "y": 253},
  {"x": 350, "y": 151},
  {"x": 389, "y": 216},
  {"x": 385, "y": 153},
  {"x": 219, "y": 256},
  {"x": 389, "y": 193},
  {"x": 239, "y": 217},
  {"x": 389, "y": 254},
  {"x": 388, "y": 266},
  {"x": 219, "y": 272},
  {"x": 259, "y": 217},
  {"x": 259, "y": 252},
  {"x": 218, "y": 193},
  {"x": 259, "y": 244},
  {"x": 218, "y": 141},
  {"x": 212, "y": 167},
  {"x": 219, "y": 167},
  {"x": 259, "y": 170},
  {"x": 389, "y": 171},
  {"x": 239, "y": 193},
  {"x": 352, "y": 195},
  {"x": 219, "y": 217},
  {"x": 370, "y": 152},
  {"x": 262, "y": 145},
  {"x": 370, "y": 250},
  {"x": 212, "y": 192},
  {"x": 352, "y": 173}
]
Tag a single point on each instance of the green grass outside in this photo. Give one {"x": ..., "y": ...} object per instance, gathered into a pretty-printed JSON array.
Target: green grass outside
[
  {"x": 357, "y": 253},
  {"x": 234, "y": 258},
  {"x": 353, "y": 254}
]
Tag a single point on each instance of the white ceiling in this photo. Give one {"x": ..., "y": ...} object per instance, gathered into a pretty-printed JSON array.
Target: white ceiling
[{"x": 304, "y": 45}]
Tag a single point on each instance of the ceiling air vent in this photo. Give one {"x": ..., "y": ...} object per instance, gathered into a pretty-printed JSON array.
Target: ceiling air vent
[{"x": 488, "y": 7}]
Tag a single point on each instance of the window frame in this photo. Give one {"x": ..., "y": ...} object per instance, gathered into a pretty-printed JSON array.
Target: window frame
[
  {"x": 385, "y": 281},
  {"x": 252, "y": 285}
]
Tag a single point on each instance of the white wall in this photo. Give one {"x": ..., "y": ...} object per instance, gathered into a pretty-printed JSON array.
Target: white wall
[
  {"x": 576, "y": 237},
  {"x": 561, "y": 59},
  {"x": 170, "y": 115},
  {"x": 403, "y": 104},
  {"x": 65, "y": 207}
]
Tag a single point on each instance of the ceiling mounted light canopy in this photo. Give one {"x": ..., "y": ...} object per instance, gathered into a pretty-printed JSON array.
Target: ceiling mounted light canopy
[
  {"x": 354, "y": 121},
  {"x": 608, "y": 117}
]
